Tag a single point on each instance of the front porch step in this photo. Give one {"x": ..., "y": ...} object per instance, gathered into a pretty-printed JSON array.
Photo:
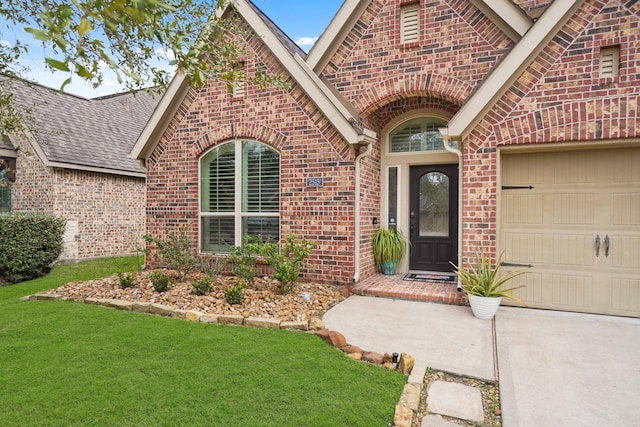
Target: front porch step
[{"x": 394, "y": 286}]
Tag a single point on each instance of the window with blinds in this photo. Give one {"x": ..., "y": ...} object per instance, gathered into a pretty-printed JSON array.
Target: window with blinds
[
  {"x": 409, "y": 23},
  {"x": 240, "y": 194},
  {"x": 420, "y": 134},
  {"x": 609, "y": 60}
]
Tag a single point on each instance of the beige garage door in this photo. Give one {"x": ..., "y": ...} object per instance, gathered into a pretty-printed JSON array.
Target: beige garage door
[{"x": 571, "y": 219}]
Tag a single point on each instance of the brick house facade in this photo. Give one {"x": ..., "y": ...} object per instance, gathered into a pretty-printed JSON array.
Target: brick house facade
[
  {"x": 472, "y": 126},
  {"x": 71, "y": 161}
]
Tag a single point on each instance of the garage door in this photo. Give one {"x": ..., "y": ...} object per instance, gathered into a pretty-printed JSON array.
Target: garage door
[{"x": 571, "y": 220}]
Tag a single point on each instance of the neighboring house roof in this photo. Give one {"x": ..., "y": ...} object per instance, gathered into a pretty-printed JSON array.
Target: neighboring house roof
[{"x": 72, "y": 132}]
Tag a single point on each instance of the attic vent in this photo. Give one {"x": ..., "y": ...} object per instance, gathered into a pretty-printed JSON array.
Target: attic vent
[
  {"x": 238, "y": 84},
  {"x": 609, "y": 59},
  {"x": 409, "y": 23}
]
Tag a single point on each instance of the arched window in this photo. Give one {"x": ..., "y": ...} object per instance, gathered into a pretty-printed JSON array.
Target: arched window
[
  {"x": 239, "y": 194},
  {"x": 419, "y": 134}
]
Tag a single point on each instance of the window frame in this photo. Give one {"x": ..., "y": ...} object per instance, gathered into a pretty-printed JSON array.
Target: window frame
[
  {"x": 405, "y": 120},
  {"x": 240, "y": 180}
]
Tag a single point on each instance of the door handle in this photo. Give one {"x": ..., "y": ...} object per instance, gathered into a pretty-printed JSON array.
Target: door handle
[
  {"x": 607, "y": 243},
  {"x": 597, "y": 245}
]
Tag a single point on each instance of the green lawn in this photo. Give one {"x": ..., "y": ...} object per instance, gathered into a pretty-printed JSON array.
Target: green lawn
[{"x": 71, "y": 364}]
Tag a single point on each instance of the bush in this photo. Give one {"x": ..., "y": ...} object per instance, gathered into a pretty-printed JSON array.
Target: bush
[
  {"x": 202, "y": 286},
  {"x": 29, "y": 244},
  {"x": 159, "y": 281},
  {"x": 288, "y": 261},
  {"x": 233, "y": 295},
  {"x": 177, "y": 253},
  {"x": 245, "y": 259},
  {"x": 127, "y": 280}
]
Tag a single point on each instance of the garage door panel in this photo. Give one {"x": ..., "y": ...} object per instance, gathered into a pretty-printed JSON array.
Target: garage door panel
[
  {"x": 573, "y": 249},
  {"x": 553, "y": 226},
  {"x": 626, "y": 209},
  {"x": 625, "y": 295},
  {"x": 524, "y": 209},
  {"x": 572, "y": 290},
  {"x": 524, "y": 247},
  {"x": 625, "y": 251},
  {"x": 573, "y": 208}
]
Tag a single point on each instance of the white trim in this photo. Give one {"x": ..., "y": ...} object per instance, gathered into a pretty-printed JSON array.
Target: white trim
[
  {"x": 410, "y": 23},
  {"x": 5, "y": 152},
  {"x": 510, "y": 67},
  {"x": 159, "y": 120},
  {"x": 507, "y": 16},
  {"x": 335, "y": 33}
]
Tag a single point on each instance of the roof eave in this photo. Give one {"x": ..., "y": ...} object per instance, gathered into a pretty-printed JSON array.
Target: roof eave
[
  {"x": 161, "y": 117},
  {"x": 335, "y": 33}
]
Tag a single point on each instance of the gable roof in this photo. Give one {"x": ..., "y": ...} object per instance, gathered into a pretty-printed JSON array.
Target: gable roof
[
  {"x": 72, "y": 132},
  {"x": 292, "y": 59}
]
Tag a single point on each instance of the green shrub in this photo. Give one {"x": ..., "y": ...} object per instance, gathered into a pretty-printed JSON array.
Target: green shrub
[
  {"x": 127, "y": 280},
  {"x": 288, "y": 260},
  {"x": 159, "y": 280},
  {"x": 202, "y": 286},
  {"x": 233, "y": 295},
  {"x": 245, "y": 259},
  {"x": 29, "y": 244},
  {"x": 177, "y": 252}
]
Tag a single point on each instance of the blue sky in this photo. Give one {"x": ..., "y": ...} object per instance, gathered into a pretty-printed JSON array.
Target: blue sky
[{"x": 302, "y": 20}]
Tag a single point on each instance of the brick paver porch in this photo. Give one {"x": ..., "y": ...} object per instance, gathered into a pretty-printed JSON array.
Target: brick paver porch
[{"x": 394, "y": 286}]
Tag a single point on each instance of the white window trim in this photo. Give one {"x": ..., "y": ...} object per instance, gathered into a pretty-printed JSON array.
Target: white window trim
[{"x": 237, "y": 209}]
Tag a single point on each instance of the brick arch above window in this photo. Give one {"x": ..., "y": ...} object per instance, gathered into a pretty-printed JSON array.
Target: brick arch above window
[
  {"x": 254, "y": 131},
  {"x": 448, "y": 88}
]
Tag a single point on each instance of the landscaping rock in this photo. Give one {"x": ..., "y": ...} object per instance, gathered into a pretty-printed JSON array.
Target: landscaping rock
[
  {"x": 406, "y": 363},
  {"x": 352, "y": 349},
  {"x": 337, "y": 340},
  {"x": 315, "y": 324},
  {"x": 411, "y": 396},
  {"x": 160, "y": 309},
  {"x": 354, "y": 356},
  {"x": 209, "y": 318},
  {"x": 230, "y": 319},
  {"x": 120, "y": 305},
  {"x": 140, "y": 307},
  {"x": 258, "y": 322},
  {"x": 403, "y": 416},
  {"x": 455, "y": 400},
  {"x": 373, "y": 357},
  {"x": 298, "y": 326}
]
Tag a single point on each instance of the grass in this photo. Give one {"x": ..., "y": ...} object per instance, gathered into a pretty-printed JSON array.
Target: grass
[{"x": 69, "y": 364}]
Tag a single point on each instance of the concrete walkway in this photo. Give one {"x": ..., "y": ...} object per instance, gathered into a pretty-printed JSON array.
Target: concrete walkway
[{"x": 554, "y": 368}]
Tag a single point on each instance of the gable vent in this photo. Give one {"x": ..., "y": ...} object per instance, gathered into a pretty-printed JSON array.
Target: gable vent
[
  {"x": 609, "y": 59},
  {"x": 409, "y": 23}
]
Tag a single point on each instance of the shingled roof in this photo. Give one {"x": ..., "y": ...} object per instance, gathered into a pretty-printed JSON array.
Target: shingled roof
[{"x": 80, "y": 133}]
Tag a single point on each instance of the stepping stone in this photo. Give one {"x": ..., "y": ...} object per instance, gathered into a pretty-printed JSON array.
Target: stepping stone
[
  {"x": 455, "y": 400},
  {"x": 437, "y": 421}
]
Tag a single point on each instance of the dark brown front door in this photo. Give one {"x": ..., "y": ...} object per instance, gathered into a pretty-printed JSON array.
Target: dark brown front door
[{"x": 433, "y": 217}]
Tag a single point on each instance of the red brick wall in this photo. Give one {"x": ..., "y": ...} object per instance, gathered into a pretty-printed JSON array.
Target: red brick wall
[
  {"x": 309, "y": 147},
  {"x": 560, "y": 98}
]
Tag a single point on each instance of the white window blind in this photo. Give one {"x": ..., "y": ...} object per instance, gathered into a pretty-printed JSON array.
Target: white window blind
[
  {"x": 419, "y": 134},
  {"x": 409, "y": 23}
]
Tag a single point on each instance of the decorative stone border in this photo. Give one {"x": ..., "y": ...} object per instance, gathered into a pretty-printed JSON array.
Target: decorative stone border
[{"x": 409, "y": 400}]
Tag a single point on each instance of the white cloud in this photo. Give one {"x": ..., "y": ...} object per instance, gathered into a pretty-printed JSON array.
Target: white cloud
[
  {"x": 306, "y": 41},
  {"x": 5, "y": 43}
]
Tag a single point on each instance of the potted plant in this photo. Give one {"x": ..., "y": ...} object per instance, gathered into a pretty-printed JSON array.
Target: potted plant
[
  {"x": 389, "y": 247},
  {"x": 483, "y": 285}
]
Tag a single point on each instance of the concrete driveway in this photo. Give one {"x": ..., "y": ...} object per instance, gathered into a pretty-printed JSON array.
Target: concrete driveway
[{"x": 567, "y": 369}]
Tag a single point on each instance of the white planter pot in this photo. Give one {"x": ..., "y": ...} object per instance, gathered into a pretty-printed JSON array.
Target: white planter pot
[{"x": 484, "y": 307}]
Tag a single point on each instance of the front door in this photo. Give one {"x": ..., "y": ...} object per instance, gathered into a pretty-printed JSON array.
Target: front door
[{"x": 433, "y": 217}]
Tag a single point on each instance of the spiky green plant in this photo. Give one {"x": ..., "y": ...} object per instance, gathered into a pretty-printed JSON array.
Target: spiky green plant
[
  {"x": 388, "y": 245},
  {"x": 485, "y": 280}
]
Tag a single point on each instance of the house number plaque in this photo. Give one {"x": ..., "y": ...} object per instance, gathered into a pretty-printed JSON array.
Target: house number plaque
[{"x": 315, "y": 182}]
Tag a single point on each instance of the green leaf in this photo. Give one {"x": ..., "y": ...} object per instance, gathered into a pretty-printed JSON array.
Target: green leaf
[
  {"x": 38, "y": 34},
  {"x": 84, "y": 27},
  {"x": 83, "y": 72},
  {"x": 64, "y": 84},
  {"x": 58, "y": 65}
]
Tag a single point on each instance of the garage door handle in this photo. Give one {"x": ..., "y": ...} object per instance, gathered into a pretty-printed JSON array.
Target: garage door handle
[
  {"x": 607, "y": 241},
  {"x": 598, "y": 245}
]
